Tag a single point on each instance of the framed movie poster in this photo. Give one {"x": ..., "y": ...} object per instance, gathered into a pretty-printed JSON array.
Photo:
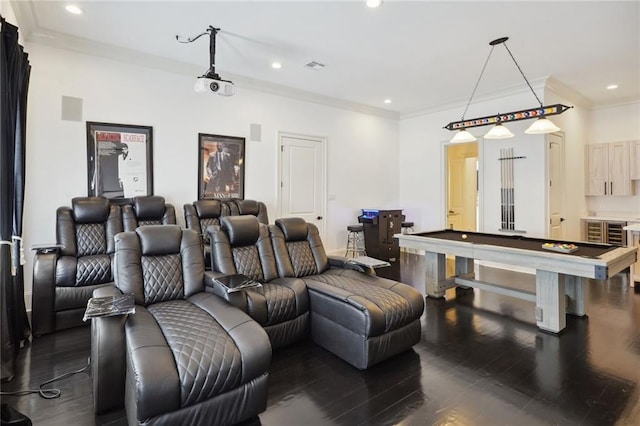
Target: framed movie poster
[
  {"x": 220, "y": 166},
  {"x": 119, "y": 161}
]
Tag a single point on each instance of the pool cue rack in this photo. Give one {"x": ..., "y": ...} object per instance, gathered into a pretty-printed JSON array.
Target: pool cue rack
[{"x": 507, "y": 191}]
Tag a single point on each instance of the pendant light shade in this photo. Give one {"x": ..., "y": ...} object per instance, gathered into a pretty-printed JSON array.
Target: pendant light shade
[
  {"x": 498, "y": 132},
  {"x": 463, "y": 136},
  {"x": 542, "y": 126}
]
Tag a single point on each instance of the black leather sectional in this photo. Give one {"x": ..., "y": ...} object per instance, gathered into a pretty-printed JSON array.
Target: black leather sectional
[
  {"x": 194, "y": 353},
  {"x": 360, "y": 317}
]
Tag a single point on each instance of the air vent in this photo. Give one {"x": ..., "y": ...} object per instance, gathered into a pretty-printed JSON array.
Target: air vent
[{"x": 313, "y": 65}]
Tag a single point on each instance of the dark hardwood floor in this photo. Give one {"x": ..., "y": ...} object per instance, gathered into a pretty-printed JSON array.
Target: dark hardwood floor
[{"x": 481, "y": 361}]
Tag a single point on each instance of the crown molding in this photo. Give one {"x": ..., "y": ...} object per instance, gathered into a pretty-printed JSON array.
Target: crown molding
[
  {"x": 512, "y": 90},
  {"x": 568, "y": 93},
  {"x": 619, "y": 103},
  {"x": 33, "y": 33}
]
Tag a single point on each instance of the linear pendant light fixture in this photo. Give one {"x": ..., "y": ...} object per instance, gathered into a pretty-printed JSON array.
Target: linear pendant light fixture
[{"x": 499, "y": 131}]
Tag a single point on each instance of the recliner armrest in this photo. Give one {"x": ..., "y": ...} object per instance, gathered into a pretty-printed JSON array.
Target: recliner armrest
[
  {"x": 43, "y": 294},
  {"x": 237, "y": 299},
  {"x": 250, "y": 302},
  {"x": 345, "y": 263},
  {"x": 108, "y": 357}
]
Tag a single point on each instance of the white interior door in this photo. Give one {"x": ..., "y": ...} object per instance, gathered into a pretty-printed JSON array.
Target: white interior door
[
  {"x": 302, "y": 179},
  {"x": 557, "y": 190}
]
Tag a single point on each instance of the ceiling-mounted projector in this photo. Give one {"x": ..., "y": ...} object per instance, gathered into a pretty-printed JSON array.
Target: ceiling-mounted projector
[
  {"x": 210, "y": 81},
  {"x": 221, "y": 87}
]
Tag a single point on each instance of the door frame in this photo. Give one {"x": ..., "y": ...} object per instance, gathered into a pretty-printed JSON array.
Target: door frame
[
  {"x": 444, "y": 176},
  {"x": 323, "y": 142},
  {"x": 547, "y": 138}
]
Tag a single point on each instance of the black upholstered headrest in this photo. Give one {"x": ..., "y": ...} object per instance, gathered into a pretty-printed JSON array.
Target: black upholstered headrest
[
  {"x": 208, "y": 208},
  {"x": 248, "y": 207},
  {"x": 90, "y": 209},
  {"x": 242, "y": 230},
  {"x": 293, "y": 228},
  {"x": 149, "y": 207},
  {"x": 159, "y": 239}
]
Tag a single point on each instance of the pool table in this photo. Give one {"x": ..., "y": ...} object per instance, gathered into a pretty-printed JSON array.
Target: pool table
[{"x": 560, "y": 277}]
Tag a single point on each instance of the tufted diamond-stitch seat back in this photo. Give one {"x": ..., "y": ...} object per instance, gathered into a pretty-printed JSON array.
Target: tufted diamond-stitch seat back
[
  {"x": 86, "y": 231},
  {"x": 298, "y": 248},
  {"x": 162, "y": 263},
  {"x": 147, "y": 210},
  {"x": 243, "y": 247}
]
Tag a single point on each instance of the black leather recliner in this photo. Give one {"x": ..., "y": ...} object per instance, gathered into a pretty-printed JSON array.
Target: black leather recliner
[
  {"x": 360, "y": 317},
  {"x": 241, "y": 245},
  {"x": 198, "y": 216},
  {"x": 191, "y": 358},
  {"x": 64, "y": 278},
  {"x": 147, "y": 210}
]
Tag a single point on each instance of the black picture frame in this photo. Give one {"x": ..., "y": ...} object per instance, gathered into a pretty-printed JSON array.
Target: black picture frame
[
  {"x": 220, "y": 175},
  {"x": 119, "y": 161}
]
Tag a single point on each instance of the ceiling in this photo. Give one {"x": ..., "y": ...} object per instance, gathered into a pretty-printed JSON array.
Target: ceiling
[{"x": 421, "y": 55}]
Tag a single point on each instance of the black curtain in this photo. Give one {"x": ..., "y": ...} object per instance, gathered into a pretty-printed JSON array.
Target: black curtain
[{"x": 14, "y": 83}]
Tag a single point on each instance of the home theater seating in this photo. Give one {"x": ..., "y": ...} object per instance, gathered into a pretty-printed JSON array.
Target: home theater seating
[
  {"x": 362, "y": 318},
  {"x": 149, "y": 210},
  {"x": 189, "y": 357},
  {"x": 64, "y": 277},
  {"x": 242, "y": 245},
  {"x": 194, "y": 353}
]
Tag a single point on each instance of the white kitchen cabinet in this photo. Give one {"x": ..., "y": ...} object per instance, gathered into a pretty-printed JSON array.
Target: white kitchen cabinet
[
  {"x": 634, "y": 167},
  {"x": 608, "y": 167}
]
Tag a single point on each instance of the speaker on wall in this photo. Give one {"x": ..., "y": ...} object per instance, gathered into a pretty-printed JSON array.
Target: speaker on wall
[
  {"x": 71, "y": 108},
  {"x": 255, "y": 132}
]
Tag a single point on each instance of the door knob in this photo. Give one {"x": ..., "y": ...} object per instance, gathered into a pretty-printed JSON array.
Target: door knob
[
  {"x": 562, "y": 219},
  {"x": 319, "y": 217}
]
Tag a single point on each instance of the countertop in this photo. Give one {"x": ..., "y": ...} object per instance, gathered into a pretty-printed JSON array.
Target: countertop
[
  {"x": 635, "y": 227},
  {"x": 630, "y": 217}
]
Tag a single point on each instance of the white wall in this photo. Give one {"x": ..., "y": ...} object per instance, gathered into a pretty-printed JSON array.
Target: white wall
[
  {"x": 611, "y": 124},
  {"x": 362, "y": 149},
  {"x": 574, "y": 125},
  {"x": 422, "y": 180},
  {"x": 7, "y": 13}
]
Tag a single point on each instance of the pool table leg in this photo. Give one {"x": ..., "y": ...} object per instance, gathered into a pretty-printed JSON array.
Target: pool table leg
[
  {"x": 577, "y": 289},
  {"x": 550, "y": 301},
  {"x": 436, "y": 275}
]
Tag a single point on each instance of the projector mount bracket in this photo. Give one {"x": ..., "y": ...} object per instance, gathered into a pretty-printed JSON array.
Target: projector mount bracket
[{"x": 211, "y": 72}]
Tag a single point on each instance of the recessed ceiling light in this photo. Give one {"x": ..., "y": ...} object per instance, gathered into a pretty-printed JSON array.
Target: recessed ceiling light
[
  {"x": 612, "y": 86},
  {"x": 73, "y": 9},
  {"x": 276, "y": 65},
  {"x": 387, "y": 101},
  {"x": 374, "y": 3}
]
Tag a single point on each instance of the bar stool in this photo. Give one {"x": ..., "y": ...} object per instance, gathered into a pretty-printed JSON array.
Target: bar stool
[
  {"x": 355, "y": 241},
  {"x": 407, "y": 228}
]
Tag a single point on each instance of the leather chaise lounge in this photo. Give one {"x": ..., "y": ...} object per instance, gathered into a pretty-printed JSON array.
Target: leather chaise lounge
[
  {"x": 64, "y": 278},
  {"x": 186, "y": 357},
  {"x": 241, "y": 245},
  {"x": 361, "y": 318}
]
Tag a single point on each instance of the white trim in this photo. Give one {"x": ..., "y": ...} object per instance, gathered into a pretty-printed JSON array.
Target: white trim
[{"x": 129, "y": 56}]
